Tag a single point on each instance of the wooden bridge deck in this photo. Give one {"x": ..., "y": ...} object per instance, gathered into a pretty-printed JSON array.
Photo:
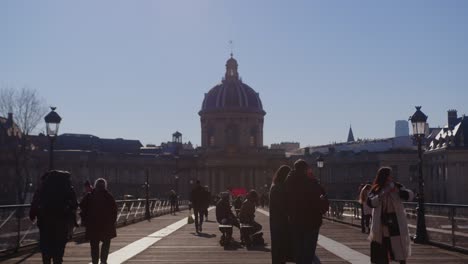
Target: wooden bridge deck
[{"x": 167, "y": 239}]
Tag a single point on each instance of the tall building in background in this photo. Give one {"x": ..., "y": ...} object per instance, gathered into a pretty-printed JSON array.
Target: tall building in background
[{"x": 401, "y": 128}]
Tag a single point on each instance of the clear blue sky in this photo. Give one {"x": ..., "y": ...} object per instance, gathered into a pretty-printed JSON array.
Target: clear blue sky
[{"x": 139, "y": 69}]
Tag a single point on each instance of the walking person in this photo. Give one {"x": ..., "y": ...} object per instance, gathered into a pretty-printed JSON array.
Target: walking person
[
  {"x": 207, "y": 201},
  {"x": 307, "y": 203},
  {"x": 100, "y": 213},
  {"x": 366, "y": 209},
  {"x": 389, "y": 234},
  {"x": 54, "y": 206},
  {"x": 197, "y": 198},
  {"x": 173, "y": 201},
  {"x": 281, "y": 249}
]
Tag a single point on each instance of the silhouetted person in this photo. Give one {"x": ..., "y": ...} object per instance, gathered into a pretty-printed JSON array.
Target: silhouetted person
[
  {"x": 389, "y": 230},
  {"x": 206, "y": 202},
  {"x": 173, "y": 201},
  {"x": 247, "y": 211},
  {"x": 306, "y": 204},
  {"x": 224, "y": 213},
  {"x": 54, "y": 205},
  {"x": 366, "y": 209},
  {"x": 197, "y": 198},
  {"x": 100, "y": 213},
  {"x": 281, "y": 248}
]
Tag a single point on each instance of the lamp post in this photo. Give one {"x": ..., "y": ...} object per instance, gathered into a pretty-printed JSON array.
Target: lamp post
[
  {"x": 52, "y": 120},
  {"x": 320, "y": 166},
  {"x": 418, "y": 120},
  {"x": 147, "y": 209}
]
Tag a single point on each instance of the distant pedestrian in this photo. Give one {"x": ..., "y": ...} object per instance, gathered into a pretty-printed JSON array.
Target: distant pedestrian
[
  {"x": 173, "y": 201},
  {"x": 99, "y": 211},
  {"x": 197, "y": 198},
  {"x": 307, "y": 203},
  {"x": 281, "y": 248},
  {"x": 54, "y": 205},
  {"x": 87, "y": 187},
  {"x": 366, "y": 209},
  {"x": 206, "y": 201},
  {"x": 389, "y": 234}
]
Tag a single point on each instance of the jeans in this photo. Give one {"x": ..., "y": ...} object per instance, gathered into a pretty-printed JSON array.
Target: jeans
[
  {"x": 95, "y": 251},
  {"x": 198, "y": 218},
  {"x": 305, "y": 244}
]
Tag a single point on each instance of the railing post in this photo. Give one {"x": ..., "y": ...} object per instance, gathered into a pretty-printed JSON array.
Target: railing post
[
  {"x": 18, "y": 226},
  {"x": 452, "y": 214}
]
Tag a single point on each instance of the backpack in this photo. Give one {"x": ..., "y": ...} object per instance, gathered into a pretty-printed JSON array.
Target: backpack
[{"x": 57, "y": 198}]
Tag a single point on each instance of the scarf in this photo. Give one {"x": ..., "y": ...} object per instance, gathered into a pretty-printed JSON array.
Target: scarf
[{"x": 401, "y": 244}]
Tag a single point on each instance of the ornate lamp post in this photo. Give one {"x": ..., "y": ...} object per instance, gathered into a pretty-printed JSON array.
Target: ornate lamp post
[
  {"x": 320, "y": 166},
  {"x": 52, "y": 120},
  {"x": 418, "y": 120}
]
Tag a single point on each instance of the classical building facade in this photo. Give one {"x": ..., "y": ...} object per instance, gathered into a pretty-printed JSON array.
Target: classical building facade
[
  {"x": 232, "y": 154},
  {"x": 446, "y": 162}
]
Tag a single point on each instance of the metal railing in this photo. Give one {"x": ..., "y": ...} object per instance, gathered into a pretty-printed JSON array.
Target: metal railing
[
  {"x": 17, "y": 231},
  {"x": 446, "y": 224}
]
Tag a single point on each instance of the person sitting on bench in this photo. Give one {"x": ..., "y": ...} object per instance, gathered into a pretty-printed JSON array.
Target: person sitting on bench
[
  {"x": 224, "y": 215},
  {"x": 247, "y": 212}
]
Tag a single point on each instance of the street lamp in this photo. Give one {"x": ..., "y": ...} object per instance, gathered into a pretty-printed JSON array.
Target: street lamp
[
  {"x": 320, "y": 166},
  {"x": 52, "y": 120},
  {"x": 418, "y": 120},
  {"x": 147, "y": 206}
]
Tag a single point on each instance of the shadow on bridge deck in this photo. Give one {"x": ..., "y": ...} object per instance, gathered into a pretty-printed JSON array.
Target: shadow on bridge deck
[{"x": 183, "y": 245}]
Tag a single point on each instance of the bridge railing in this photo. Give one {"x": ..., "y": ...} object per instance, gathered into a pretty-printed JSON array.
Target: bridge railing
[
  {"x": 446, "y": 224},
  {"x": 17, "y": 231}
]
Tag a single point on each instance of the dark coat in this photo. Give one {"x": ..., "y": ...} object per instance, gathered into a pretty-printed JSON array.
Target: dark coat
[
  {"x": 99, "y": 213},
  {"x": 281, "y": 244},
  {"x": 54, "y": 205},
  {"x": 197, "y": 197},
  {"x": 305, "y": 207},
  {"x": 223, "y": 210}
]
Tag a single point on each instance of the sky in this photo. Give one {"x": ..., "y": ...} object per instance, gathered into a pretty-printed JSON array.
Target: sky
[{"x": 140, "y": 69}]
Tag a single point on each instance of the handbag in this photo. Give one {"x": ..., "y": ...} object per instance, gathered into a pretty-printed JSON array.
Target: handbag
[{"x": 190, "y": 219}]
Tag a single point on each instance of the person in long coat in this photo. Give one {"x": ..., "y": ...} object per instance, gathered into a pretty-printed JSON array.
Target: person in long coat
[
  {"x": 99, "y": 213},
  {"x": 389, "y": 234},
  {"x": 54, "y": 205},
  {"x": 281, "y": 248}
]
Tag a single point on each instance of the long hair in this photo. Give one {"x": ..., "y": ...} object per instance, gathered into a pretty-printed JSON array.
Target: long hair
[
  {"x": 381, "y": 178},
  {"x": 281, "y": 174},
  {"x": 363, "y": 194}
]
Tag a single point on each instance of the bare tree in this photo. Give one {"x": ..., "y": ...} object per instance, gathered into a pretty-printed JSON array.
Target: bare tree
[{"x": 28, "y": 109}]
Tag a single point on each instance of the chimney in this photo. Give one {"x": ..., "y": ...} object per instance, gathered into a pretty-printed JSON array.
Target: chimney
[
  {"x": 452, "y": 118},
  {"x": 9, "y": 121}
]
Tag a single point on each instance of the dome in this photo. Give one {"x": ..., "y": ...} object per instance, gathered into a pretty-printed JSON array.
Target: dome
[{"x": 232, "y": 94}]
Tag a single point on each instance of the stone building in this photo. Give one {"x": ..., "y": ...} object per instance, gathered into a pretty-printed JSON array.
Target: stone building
[
  {"x": 232, "y": 154},
  {"x": 446, "y": 162}
]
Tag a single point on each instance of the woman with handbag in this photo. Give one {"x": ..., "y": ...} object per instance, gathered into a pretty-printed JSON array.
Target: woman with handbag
[{"x": 389, "y": 234}]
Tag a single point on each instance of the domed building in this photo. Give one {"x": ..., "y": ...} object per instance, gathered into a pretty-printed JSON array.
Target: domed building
[
  {"x": 232, "y": 118},
  {"x": 232, "y": 114}
]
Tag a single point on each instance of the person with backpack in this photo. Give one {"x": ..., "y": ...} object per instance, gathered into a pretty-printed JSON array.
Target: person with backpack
[
  {"x": 99, "y": 212},
  {"x": 54, "y": 206}
]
